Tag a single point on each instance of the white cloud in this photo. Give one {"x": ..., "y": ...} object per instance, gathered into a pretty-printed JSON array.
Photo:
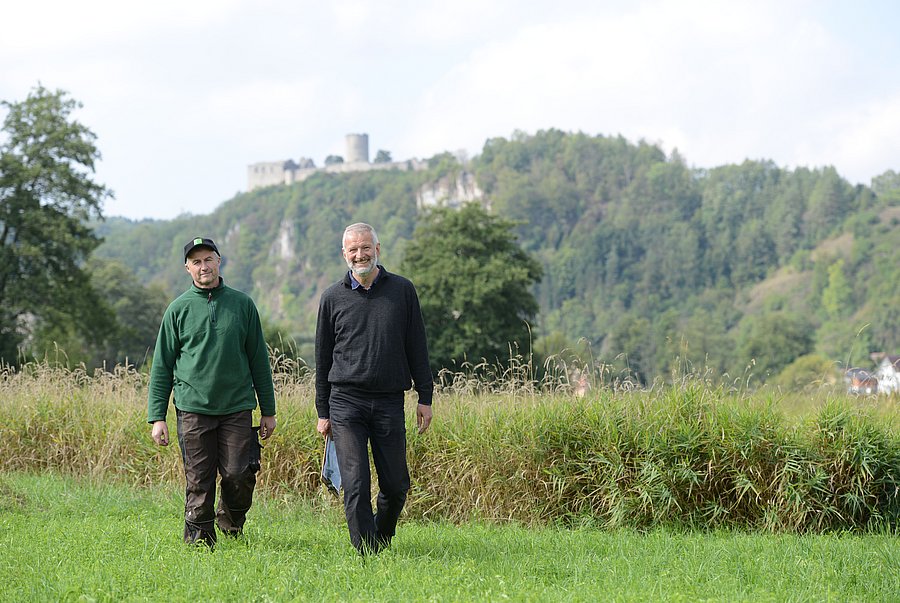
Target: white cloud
[
  {"x": 58, "y": 25},
  {"x": 721, "y": 81},
  {"x": 183, "y": 95},
  {"x": 867, "y": 140}
]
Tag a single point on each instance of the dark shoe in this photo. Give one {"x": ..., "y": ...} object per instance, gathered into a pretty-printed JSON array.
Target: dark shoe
[
  {"x": 374, "y": 547},
  {"x": 366, "y": 550},
  {"x": 202, "y": 544},
  {"x": 233, "y": 533},
  {"x": 382, "y": 542},
  {"x": 194, "y": 535}
]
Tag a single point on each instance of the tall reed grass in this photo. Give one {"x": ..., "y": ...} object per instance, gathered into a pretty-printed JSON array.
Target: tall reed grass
[{"x": 509, "y": 446}]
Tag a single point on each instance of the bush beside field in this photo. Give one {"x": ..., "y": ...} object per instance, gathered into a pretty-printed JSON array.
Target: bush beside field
[{"x": 690, "y": 454}]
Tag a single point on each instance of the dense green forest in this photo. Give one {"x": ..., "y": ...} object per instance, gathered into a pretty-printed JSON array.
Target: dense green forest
[{"x": 650, "y": 265}]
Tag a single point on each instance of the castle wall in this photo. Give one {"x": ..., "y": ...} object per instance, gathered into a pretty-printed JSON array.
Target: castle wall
[
  {"x": 265, "y": 173},
  {"x": 298, "y": 175},
  {"x": 270, "y": 173}
]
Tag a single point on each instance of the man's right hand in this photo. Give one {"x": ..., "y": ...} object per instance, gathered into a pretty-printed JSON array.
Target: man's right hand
[
  {"x": 160, "y": 433},
  {"x": 324, "y": 427}
]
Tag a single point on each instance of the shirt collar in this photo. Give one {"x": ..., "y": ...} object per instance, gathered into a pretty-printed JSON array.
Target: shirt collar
[{"x": 355, "y": 284}]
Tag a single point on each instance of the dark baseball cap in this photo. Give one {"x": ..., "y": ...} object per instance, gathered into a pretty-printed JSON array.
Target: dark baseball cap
[{"x": 199, "y": 242}]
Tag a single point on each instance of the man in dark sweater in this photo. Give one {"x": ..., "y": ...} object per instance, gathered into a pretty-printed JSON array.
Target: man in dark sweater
[
  {"x": 370, "y": 348},
  {"x": 211, "y": 352}
]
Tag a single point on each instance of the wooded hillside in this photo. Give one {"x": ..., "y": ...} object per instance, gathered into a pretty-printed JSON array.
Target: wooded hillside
[{"x": 655, "y": 264}]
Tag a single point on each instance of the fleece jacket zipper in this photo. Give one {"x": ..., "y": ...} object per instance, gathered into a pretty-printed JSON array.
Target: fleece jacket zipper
[{"x": 212, "y": 309}]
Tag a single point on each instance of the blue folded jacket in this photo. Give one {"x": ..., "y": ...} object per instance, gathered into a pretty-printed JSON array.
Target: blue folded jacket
[{"x": 331, "y": 473}]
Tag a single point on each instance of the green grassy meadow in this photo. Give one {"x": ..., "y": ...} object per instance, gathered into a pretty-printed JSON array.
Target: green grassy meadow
[
  {"x": 521, "y": 491},
  {"x": 68, "y": 539}
]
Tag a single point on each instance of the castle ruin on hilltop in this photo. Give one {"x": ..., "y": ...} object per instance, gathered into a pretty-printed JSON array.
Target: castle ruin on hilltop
[{"x": 268, "y": 173}]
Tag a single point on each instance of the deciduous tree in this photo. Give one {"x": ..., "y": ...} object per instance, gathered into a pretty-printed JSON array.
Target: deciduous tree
[
  {"x": 47, "y": 197},
  {"x": 474, "y": 284},
  {"x": 773, "y": 341}
]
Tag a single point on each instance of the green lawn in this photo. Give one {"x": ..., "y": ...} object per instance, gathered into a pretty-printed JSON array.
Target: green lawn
[{"x": 70, "y": 540}]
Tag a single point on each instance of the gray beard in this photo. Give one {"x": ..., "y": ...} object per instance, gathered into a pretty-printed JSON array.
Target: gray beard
[{"x": 365, "y": 271}]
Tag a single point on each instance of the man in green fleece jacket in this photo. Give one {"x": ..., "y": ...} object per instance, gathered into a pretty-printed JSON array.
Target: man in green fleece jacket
[{"x": 211, "y": 352}]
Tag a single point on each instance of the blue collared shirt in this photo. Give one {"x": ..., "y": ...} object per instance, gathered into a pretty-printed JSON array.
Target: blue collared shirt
[{"x": 355, "y": 284}]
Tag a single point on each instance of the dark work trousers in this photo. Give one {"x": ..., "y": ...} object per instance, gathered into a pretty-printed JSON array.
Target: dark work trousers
[
  {"x": 211, "y": 444},
  {"x": 356, "y": 422}
]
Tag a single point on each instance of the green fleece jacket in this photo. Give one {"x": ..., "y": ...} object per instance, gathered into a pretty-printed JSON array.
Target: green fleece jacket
[{"x": 211, "y": 351}]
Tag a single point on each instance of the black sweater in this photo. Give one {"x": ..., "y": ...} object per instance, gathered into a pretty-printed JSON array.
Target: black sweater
[{"x": 371, "y": 340}]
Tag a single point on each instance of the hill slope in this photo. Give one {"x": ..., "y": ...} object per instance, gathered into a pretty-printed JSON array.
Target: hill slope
[{"x": 651, "y": 262}]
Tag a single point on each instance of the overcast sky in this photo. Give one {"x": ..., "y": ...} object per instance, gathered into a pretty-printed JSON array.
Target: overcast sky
[{"x": 184, "y": 95}]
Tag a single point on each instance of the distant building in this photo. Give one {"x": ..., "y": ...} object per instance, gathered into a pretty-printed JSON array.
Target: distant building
[
  {"x": 357, "y": 148},
  {"x": 286, "y": 171},
  {"x": 860, "y": 381},
  {"x": 887, "y": 372}
]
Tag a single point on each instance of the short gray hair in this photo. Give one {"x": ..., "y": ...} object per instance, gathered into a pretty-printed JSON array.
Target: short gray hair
[{"x": 359, "y": 227}]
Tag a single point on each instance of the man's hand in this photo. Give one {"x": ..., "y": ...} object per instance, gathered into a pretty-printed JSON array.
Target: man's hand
[
  {"x": 324, "y": 427},
  {"x": 266, "y": 426},
  {"x": 423, "y": 417},
  {"x": 160, "y": 433}
]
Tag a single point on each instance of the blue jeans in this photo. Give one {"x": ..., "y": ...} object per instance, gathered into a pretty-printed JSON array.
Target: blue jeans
[{"x": 356, "y": 422}]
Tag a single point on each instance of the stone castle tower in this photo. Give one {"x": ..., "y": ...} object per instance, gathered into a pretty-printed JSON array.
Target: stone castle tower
[{"x": 357, "y": 148}]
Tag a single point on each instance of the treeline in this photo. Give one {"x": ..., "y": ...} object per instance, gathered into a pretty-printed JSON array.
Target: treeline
[
  {"x": 655, "y": 263},
  {"x": 649, "y": 265}
]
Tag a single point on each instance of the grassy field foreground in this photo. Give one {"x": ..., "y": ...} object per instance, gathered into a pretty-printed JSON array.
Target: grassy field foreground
[
  {"x": 68, "y": 539},
  {"x": 687, "y": 454}
]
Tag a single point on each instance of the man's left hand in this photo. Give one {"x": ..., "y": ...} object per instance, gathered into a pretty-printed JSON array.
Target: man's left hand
[
  {"x": 423, "y": 417},
  {"x": 266, "y": 426}
]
